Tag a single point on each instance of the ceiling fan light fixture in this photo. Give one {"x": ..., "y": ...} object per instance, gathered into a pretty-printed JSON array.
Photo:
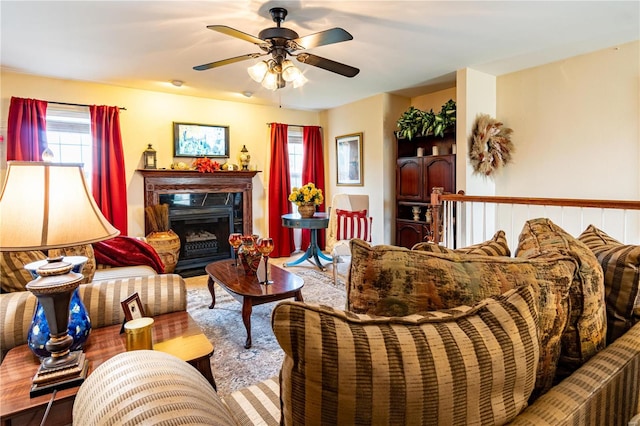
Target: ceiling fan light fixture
[
  {"x": 289, "y": 71},
  {"x": 270, "y": 80},
  {"x": 280, "y": 42},
  {"x": 300, "y": 81},
  {"x": 258, "y": 71}
]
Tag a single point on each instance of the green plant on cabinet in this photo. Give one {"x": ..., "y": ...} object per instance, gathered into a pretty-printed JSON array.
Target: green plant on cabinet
[{"x": 414, "y": 122}]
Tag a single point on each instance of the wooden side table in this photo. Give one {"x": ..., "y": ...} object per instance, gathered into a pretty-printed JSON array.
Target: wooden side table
[
  {"x": 175, "y": 333},
  {"x": 319, "y": 220}
]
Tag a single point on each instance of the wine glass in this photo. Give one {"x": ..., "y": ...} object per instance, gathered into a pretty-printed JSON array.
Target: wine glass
[
  {"x": 235, "y": 239},
  {"x": 265, "y": 247}
]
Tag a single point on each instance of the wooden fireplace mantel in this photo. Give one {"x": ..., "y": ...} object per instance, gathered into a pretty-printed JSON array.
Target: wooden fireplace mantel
[{"x": 158, "y": 182}]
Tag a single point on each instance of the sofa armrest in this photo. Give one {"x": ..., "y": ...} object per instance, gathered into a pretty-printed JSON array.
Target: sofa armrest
[
  {"x": 148, "y": 387},
  {"x": 159, "y": 294},
  {"x": 16, "y": 313},
  {"x": 105, "y": 272},
  {"x": 605, "y": 390}
]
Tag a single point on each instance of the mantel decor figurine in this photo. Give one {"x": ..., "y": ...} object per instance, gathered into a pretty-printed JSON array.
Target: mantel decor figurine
[{"x": 245, "y": 157}]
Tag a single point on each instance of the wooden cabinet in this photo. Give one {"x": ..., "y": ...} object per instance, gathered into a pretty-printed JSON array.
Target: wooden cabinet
[
  {"x": 415, "y": 179},
  {"x": 417, "y": 176}
]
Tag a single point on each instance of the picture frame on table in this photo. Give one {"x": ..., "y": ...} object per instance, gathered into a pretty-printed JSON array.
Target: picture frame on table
[
  {"x": 349, "y": 164},
  {"x": 132, "y": 307},
  {"x": 200, "y": 140}
]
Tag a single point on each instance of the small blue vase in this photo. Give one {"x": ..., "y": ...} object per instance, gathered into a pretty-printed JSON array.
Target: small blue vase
[
  {"x": 79, "y": 327},
  {"x": 79, "y": 322}
]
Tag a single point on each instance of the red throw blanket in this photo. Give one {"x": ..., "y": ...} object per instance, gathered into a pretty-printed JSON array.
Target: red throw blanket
[{"x": 127, "y": 251}]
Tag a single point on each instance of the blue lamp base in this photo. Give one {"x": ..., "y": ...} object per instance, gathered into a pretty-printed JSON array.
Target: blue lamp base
[{"x": 79, "y": 326}]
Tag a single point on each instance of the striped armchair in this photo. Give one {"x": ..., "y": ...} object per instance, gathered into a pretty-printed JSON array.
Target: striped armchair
[{"x": 159, "y": 294}]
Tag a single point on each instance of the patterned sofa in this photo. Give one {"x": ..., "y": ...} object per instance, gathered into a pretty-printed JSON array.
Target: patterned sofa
[{"x": 431, "y": 336}]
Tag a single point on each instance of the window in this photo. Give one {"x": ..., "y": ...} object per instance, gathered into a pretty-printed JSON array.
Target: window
[
  {"x": 294, "y": 141},
  {"x": 69, "y": 136}
]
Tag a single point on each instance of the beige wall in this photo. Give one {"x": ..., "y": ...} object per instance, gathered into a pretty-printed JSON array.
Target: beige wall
[
  {"x": 434, "y": 101},
  {"x": 575, "y": 127},
  {"x": 364, "y": 116},
  {"x": 148, "y": 119},
  {"x": 476, "y": 94}
]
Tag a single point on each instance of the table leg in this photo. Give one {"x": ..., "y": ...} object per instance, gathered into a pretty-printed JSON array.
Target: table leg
[
  {"x": 305, "y": 256},
  {"x": 298, "y": 296},
  {"x": 212, "y": 290},
  {"x": 246, "y": 319},
  {"x": 203, "y": 365},
  {"x": 324, "y": 256},
  {"x": 313, "y": 253}
]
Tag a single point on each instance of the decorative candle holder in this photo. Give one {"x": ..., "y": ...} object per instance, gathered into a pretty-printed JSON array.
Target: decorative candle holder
[
  {"x": 265, "y": 247},
  {"x": 235, "y": 240}
]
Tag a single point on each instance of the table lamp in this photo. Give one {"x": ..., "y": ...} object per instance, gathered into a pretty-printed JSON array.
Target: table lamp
[{"x": 44, "y": 206}]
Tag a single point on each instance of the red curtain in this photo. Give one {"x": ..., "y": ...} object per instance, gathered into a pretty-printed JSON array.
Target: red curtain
[
  {"x": 26, "y": 129},
  {"x": 279, "y": 188},
  {"x": 313, "y": 171},
  {"x": 108, "y": 181}
]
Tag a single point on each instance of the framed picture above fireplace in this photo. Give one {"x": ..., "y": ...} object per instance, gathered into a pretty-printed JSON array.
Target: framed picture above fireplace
[{"x": 200, "y": 140}]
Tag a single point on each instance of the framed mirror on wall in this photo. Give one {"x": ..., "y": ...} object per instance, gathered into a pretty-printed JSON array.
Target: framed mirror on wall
[{"x": 349, "y": 160}]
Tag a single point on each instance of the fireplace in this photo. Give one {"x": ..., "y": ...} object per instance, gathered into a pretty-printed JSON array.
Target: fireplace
[
  {"x": 203, "y": 221},
  {"x": 204, "y": 208}
]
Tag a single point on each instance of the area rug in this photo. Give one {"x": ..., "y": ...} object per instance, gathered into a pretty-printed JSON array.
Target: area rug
[{"x": 233, "y": 366}]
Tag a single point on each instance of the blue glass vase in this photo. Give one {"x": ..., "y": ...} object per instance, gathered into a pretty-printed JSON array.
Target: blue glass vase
[
  {"x": 79, "y": 322},
  {"x": 79, "y": 327}
]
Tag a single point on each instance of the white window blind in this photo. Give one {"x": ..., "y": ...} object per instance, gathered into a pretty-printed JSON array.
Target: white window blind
[{"x": 69, "y": 135}]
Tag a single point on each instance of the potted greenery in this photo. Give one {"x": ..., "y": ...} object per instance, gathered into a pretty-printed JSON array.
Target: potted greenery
[{"x": 414, "y": 122}]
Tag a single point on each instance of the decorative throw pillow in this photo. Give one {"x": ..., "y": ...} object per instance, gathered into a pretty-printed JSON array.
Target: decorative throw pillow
[
  {"x": 84, "y": 250},
  {"x": 394, "y": 281},
  {"x": 460, "y": 366},
  {"x": 496, "y": 246},
  {"x": 587, "y": 328},
  {"x": 621, "y": 266},
  {"x": 353, "y": 224},
  {"x": 13, "y": 276}
]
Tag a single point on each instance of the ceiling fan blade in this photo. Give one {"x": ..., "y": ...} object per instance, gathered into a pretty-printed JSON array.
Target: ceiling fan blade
[
  {"x": 237, "y": 34},
  {"x": 228, "y": 61},
  {"x": 334, "y": 35},
  {"x": 327, "y": 64}
]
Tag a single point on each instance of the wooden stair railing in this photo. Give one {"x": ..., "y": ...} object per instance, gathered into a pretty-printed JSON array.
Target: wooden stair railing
[{"x": 438, "y": 199}]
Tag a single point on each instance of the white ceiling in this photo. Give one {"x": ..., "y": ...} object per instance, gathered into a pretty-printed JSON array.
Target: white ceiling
[{"x": 400, "y": 46}]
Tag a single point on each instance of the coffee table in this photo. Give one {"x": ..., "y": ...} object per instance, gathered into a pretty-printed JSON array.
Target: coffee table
[
  {"x": 247, "y": 290},
  {"x": 175, "y": 333}
]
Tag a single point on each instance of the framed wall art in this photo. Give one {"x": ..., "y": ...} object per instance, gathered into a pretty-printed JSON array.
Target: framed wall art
[
  {"x": 349, "y": 160},
  {"x": 200, "y": 140}
]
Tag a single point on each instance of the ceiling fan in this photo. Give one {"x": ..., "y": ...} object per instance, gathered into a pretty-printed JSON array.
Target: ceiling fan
[{"x": 281, "y": 42}]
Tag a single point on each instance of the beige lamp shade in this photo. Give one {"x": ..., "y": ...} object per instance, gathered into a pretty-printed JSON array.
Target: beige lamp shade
[{"x": 47, "y": 205}]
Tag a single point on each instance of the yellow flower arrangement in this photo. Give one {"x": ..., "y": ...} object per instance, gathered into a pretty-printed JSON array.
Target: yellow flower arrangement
[{"x": 306, "y": 194}]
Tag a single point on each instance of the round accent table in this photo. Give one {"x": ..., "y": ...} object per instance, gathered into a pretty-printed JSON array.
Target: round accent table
[{"x": 320, "y": 220}]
